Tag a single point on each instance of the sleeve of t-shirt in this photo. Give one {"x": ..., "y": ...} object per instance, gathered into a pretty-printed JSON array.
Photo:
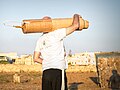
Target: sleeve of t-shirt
[
  {"x": 37, "y": 48},
  {"x": 60, "y": 34}
]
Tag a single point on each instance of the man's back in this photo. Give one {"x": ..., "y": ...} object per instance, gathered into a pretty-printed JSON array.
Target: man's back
[{"x": 52, "y": 50}]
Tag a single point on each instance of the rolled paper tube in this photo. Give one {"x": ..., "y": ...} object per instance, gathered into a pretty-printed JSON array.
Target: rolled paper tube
[{"x": 41, "y": 25}]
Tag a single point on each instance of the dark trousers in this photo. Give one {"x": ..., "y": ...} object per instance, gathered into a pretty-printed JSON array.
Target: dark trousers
[{"x": 52, "y": 79}]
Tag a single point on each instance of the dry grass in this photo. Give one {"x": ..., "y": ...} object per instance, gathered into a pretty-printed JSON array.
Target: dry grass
[{"x": 32, "y": 81}]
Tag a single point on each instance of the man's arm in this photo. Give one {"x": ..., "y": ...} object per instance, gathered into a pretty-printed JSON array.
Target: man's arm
[
  {"x": 37, "y": 58},
  {"x": 75, "y": 24}
]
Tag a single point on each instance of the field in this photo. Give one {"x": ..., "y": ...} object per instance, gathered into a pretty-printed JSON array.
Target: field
[
  {"x": 79, "y": 77},
  {"x": 32, "y": 81}
]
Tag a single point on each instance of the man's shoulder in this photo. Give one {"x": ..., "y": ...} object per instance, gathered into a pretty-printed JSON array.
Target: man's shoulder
[{"x": 59, "y": 31}]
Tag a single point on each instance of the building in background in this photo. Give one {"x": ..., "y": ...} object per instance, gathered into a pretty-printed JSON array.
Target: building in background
[
  {"x": 25, "y": 59},
  {"x": 86, "y": 58}
]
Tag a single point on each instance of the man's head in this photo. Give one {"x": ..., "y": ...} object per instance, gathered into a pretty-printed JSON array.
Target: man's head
[{"x": 46, "y": 18}]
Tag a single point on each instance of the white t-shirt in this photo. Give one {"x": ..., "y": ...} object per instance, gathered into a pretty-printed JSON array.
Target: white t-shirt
[{"x": 52, "y": 50}]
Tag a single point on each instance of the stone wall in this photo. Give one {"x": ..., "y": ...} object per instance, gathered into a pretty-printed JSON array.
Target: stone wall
[
  {"x": 109, "y": 69},
  {"x": 38, "y": 68},
  {"x": 20, "y": 68},
  {"x": 87, "y": 68}
]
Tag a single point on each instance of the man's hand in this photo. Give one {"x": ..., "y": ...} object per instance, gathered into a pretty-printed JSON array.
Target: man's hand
[
  {"x": 37, "y": 58},
  {"x": 75, "y": 24}
]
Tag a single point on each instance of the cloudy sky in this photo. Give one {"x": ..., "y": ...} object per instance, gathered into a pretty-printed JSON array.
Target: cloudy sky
[{"x": 103, "y": 33}]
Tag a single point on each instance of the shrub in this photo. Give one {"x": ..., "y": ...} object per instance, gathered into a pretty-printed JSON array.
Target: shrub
[{"x": 4, "y": 62}]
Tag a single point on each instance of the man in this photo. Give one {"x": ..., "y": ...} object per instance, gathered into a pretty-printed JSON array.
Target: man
[
  {"x": 49, "y": 52},
  {"x": 114, "y": 81}
]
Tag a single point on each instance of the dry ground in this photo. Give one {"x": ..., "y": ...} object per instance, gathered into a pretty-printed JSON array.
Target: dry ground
[{"x": 32, "y": 81}]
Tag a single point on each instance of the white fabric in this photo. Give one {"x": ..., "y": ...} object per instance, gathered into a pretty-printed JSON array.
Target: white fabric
[
  {"x": 63, "y": 81},
  {"x": 52, "y": 50}
]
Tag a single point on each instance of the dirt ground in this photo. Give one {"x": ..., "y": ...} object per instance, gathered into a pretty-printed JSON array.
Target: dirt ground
[{"x": 32, "y": 81}]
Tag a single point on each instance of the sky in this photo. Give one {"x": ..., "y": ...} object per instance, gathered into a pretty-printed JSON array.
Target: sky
[{"x": 103, "y": 33}]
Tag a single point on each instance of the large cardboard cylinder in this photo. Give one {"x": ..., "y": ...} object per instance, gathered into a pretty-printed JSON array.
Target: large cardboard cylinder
[{"x": 41, "y": 25}]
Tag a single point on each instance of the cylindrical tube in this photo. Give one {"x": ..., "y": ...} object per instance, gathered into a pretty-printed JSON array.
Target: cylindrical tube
[
  {"x": 36, "y": 26},
  {"x": 41, "y": 25}
]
